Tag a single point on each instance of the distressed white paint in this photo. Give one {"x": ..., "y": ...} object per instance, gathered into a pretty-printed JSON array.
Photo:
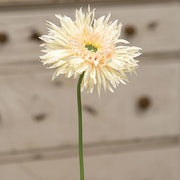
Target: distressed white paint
[
  {"x": 20, "y": 24},
  {"x": 27, "y": 93},
  {"x": 160, "y": 164}
]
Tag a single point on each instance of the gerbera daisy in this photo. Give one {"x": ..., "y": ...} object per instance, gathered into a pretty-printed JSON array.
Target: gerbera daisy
[{"x": 90, "y": 46}]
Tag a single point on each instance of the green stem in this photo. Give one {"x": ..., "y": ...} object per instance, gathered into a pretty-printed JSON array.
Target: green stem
[{"x": 81, "y": 163}]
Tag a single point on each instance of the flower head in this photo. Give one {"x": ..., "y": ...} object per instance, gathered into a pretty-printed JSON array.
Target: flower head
[{"x": 91, "y": 46}]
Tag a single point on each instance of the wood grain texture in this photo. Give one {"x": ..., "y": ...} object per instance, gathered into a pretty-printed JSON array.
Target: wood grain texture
[
  {"x": 154, "y": 30},
  {"x": 144, "y": 165},
  {"x": 37, "y": 113}
]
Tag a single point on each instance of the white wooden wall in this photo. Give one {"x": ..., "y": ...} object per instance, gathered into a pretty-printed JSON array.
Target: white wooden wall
[{"x": 133, "y": 134}]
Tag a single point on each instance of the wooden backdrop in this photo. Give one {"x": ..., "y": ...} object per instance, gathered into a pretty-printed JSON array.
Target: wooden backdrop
[{"x": 133, "y": 134}]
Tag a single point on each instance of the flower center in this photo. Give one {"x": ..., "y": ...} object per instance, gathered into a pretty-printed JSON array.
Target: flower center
[{"x": 91, "y": 47}]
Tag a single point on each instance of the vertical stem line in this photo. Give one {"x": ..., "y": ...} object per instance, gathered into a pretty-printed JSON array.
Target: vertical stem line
[{"x": 80, "y": 128}]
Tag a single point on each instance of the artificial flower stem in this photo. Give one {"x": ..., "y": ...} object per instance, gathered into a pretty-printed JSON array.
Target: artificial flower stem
[{"x": 80, "y": 127}]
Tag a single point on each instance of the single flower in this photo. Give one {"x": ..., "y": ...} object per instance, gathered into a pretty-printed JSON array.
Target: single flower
[{"x": 91, "y": 46}]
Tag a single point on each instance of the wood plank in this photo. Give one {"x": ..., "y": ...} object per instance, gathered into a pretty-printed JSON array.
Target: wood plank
[
  {"x": 151, "y": 24},
  {"x": 99, "y": 148},
  {"x": 36, "y": 113},
  {"x": 143, "y": 165},
  {"x": 43, "y": 2}
]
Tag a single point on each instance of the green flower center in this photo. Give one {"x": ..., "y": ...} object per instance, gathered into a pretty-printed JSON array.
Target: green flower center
[{"x": 91, "y": 48}]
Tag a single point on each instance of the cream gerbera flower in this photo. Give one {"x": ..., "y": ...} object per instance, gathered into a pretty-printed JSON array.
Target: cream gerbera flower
[{"x": 91, "y": 46}]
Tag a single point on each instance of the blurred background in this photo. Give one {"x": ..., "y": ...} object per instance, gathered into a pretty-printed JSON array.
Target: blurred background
[{"x": 133, "y": 134}]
